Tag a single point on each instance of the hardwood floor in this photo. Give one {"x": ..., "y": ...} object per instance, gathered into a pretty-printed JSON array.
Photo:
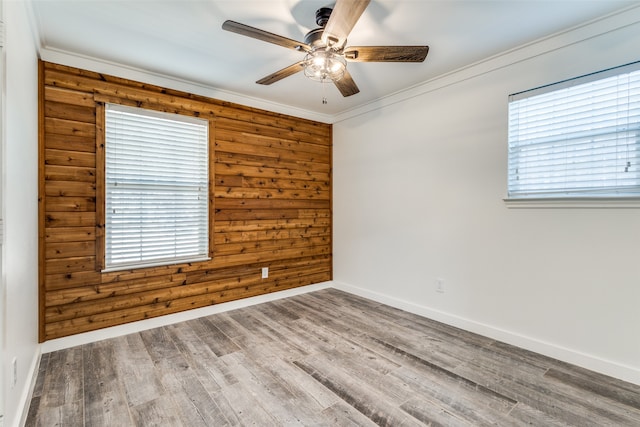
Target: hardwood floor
[{"x": 323, "y": 358}]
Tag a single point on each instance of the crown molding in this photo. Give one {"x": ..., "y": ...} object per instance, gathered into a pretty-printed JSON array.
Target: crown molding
[
  {"x": 590, "y": 29},
  {"x": 132, "y": 73}
]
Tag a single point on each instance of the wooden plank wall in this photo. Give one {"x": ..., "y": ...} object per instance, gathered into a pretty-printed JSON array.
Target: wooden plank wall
[{"x": 270, "y": 204}]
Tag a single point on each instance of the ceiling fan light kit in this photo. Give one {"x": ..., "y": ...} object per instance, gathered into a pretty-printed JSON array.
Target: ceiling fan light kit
[
  {"x": 324, "y": 64},
  {"x": 326, "y": 55}
]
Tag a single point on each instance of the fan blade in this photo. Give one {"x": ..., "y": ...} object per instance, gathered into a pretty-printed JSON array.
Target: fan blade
[
  {"x": 279, "y": 75},
  {"x": 346, "y": 85},
  {"x": 344, "y": 16},
  {"x": 386, "y": 53},
  {"x": 256, "y": 33}
]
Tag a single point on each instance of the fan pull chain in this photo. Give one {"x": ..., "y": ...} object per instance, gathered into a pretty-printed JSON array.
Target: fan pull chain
[{"x": 324, "y": 94}]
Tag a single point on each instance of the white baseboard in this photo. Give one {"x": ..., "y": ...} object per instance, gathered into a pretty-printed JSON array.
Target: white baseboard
[
  {"x": 607, "y": 367},
  {"x": 155, "y": 322},
  {"x": 27, "y": 391}
]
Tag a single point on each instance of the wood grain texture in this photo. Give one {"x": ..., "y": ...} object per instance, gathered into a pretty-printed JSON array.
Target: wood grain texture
[
  {"x": 386, "y": 53},
  {"x": 270, "y": 206},
  {"x": 325, "y": 358}
]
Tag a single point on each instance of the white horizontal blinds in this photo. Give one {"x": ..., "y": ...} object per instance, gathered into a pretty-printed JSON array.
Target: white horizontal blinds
[
  {"x": 156, "y": 188},
  {"x": 579, "y": 140}
]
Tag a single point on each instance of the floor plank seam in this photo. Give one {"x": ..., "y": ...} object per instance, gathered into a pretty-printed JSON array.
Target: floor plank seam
[
  {"x": 375, "y": 416},
  {"x": 444, "y": 371},
  {"x": 588, "y": 386}
]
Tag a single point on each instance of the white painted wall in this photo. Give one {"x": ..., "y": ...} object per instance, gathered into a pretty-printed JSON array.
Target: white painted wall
[
  {"x": 21, "y": 208},
  {"x": 2, "y": 144},
  {"x": 418, "y": 189}
]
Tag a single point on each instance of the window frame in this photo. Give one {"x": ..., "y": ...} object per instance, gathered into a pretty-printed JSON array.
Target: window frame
[
  {"x": 101, "y": 201},
  {"x": 588, "y": 200}
]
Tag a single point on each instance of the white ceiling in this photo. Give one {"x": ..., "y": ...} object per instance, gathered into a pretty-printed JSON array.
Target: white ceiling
[{"x": 183, "y": 39}]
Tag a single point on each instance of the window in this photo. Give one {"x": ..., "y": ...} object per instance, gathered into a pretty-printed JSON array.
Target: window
[
  {"x": 577, "y": 139},
  {"x": 156, "y": 188}
]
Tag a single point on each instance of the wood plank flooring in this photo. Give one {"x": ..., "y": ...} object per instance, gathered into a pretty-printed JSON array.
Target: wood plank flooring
[{"x": 325, "y": 358}]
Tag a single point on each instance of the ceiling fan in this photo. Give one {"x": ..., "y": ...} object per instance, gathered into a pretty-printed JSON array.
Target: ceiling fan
[{"x": 326, "y": 55}]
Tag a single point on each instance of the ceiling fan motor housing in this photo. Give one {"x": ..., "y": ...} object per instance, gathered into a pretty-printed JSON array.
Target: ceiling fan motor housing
[
  {"x": 314, "y": 38},
  {"x": 322, "y": 16}
]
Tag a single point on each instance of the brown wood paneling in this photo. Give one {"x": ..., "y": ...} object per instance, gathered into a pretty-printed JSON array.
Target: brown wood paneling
[
  {"x": 76, "y": 204},
  {"x": 67, "y": 157},
  {"x": 69, "y": 234},
  {"x": 64, "y": 268},
  {"x": 270, "y": 205},
  {"x": 70, "y": 143}
]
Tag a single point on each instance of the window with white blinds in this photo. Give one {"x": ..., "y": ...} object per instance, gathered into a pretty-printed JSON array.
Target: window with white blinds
[
  {"x": 578, "y": 138},
  {"x": 156, "y": 188}
]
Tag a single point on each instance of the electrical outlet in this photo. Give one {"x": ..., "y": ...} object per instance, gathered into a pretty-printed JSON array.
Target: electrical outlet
[
  {"x": 440, "y": 285},
  {"x": 265, "y": 272},
  {"x": 14, "y": 372}
]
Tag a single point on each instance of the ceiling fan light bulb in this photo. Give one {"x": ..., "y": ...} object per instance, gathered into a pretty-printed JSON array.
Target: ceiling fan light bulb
[
  {"x": 319, "y": 61},
  {"x": 324, "y": 64}
]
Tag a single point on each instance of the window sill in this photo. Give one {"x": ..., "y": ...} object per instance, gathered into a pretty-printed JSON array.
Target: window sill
[{"x": 574, "y": 203}]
